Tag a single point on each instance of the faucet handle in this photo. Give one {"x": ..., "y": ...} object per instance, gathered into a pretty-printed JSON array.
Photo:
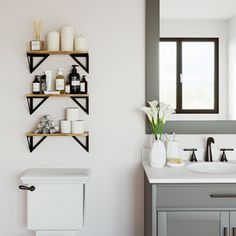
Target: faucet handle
[
  {"x": 223, "y": 157},
  {"x": 193, "y": 156}
]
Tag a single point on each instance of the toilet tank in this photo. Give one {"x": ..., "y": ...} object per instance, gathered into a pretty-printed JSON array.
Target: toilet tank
[{"x": 58, "y": 201}]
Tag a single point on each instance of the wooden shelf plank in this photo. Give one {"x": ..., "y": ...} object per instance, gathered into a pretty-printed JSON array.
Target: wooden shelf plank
[
  {"x": 31, "y": 134},
  {"x": 56, "y": 95},
  {"x": 57, "y": 52}
]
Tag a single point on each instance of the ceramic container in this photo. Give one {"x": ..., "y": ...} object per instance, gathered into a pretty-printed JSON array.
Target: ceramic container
[{"x": 158, "y": 154}]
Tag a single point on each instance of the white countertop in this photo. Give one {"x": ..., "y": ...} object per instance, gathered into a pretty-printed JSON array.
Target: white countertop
[{"x": 180, "y": 175}]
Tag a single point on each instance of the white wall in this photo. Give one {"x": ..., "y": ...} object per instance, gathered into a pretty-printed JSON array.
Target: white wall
[
  {"x": 232, "y": 68},
  {"x": 204, "y": 28},
  {"x": 115, "y": 30}
]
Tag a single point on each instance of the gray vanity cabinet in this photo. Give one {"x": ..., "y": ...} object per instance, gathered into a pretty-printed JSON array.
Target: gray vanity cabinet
[
  {"x": 232, "y": 224},
  {"x": 190, "y": 209}
]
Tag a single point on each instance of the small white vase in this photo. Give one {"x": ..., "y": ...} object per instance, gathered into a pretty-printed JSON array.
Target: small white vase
[{"x": 158, "y": 154}]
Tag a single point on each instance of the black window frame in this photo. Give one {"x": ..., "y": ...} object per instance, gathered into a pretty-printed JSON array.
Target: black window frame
[{"x": 179, "y": 93}]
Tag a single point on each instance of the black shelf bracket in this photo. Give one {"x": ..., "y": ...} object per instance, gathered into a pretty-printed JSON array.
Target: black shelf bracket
[
  {"x": 31, "y": 56},
  {"x": 30, "y": 140},
  {"x": 44, "y": 56},
  {"x": 32, "y": 109},
  {"x": 32, "y": 146},
  {"x": 84, "y": 108},
  {"x": 83, "y": 55},
  {"x": 84, "y": 146},
  {"x": 30, "y": 101}
]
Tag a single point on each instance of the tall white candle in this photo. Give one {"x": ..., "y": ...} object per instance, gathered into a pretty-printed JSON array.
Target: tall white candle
[
  {"x": 67, "y": 38},
  {"x": 53, "y": 41},
  {"x": 81, "y": 44}
]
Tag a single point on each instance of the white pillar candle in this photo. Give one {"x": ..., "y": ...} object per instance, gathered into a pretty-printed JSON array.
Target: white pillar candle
[
  {"x": 65, "y": 126},
  {"x": 81, "y": 44},
  {"x": 53, "y": 41},
  {"x": 67, "y": 38},
  {"x": 77, "y": 126},
  {"x": 72, "y": 113}
]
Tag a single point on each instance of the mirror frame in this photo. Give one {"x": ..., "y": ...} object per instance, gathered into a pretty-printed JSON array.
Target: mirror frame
[{"x": 152, "y": 82}]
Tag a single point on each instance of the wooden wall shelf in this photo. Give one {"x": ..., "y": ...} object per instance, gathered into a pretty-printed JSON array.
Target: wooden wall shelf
[
  {"x": 56, "y": 52},
  {"x": 31, "y": 55},
  {"x": 56, "y": 95},
  {"x": 43, "y": 97},
  {"x": 31, "y": 134},
  {"x": 30, "y": 138}
]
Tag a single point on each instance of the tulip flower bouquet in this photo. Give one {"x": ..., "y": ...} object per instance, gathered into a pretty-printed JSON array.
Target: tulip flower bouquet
[{"x": 157, "y": 114}]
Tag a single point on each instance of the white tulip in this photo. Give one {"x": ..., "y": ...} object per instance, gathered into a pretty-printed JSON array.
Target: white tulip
[
  {"x": 148, "y": 112},
  {"x": 166, "y": 114},
  {"x": 154, "y": 108},
  {"x": 162, "y": 107},
  {"x": 157, "y": 115},
  {"x": 153, "y": 104}
]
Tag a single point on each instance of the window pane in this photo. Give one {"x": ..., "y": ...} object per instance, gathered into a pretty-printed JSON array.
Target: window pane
[
  {"x": 198, "y": 75},
  {"x": 168, "y": 73}
]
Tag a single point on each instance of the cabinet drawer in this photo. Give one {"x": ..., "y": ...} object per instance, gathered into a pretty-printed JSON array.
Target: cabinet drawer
[{"x": 195, "y": 196}]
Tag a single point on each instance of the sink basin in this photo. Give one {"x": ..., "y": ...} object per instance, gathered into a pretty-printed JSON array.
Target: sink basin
[{"x": 213, "y": 167}]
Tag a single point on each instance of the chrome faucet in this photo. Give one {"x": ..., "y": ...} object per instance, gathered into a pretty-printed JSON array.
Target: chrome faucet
[{"x": 208, "y": 156}]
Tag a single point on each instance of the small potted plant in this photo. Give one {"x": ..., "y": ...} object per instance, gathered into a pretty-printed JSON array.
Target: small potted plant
[{"x": 157, "y": 114}]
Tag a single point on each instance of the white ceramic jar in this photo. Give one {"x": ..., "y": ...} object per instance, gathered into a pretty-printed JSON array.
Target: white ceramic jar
[{"x": 172, "y": 150}]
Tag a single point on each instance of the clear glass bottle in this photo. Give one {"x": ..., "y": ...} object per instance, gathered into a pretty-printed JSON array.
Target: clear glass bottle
[
  {"x": 83, "y": 85},
  {"x": 36, "y": 85},
  {"x": 60, "y": 82}
]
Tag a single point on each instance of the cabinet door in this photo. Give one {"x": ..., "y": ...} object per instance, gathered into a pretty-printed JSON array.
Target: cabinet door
[
  {"x": 193, "y": 223},
  {"x": 232, "y": 223}
]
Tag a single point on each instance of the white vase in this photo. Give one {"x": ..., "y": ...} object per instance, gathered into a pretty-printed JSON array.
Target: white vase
[{"x": 158, "y": 154}]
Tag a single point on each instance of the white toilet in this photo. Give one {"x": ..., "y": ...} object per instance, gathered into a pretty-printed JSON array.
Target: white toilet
[{"x": 55, "y": 200}]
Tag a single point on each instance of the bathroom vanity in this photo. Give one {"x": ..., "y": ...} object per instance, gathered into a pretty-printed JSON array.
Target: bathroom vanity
[{"x": 181, "y": 202}]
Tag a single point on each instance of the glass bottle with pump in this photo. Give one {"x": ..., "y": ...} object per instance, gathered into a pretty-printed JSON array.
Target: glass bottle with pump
[
  {"x": 36, "y": 85},
  {"x": 60, "y": 82},
  {"x": 74, "y": 79},
  {"x": 83, "y": 85}
]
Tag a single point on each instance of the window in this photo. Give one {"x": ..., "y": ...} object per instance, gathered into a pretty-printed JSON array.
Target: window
[{"x": 189, "y": 74}]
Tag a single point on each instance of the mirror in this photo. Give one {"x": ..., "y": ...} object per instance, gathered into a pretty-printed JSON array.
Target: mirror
[
  {"x": 197, "y": 58},
  {"x": 211, "y": 12}
]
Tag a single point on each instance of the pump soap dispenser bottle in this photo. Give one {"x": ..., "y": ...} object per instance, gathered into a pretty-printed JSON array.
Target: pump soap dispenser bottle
[
  {"x": 60, "y": 82},
  {"x": 36, "y": 85},
  {"x": 74, "y": 79},
  {"x": 83, "y": 85}
]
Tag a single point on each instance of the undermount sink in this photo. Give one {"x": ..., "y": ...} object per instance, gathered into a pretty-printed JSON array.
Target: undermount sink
[{"x": 213, "y": 167}]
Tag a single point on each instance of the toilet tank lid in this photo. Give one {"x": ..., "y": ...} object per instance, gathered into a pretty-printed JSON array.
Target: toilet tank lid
[{"x": 46, "y": 175}]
